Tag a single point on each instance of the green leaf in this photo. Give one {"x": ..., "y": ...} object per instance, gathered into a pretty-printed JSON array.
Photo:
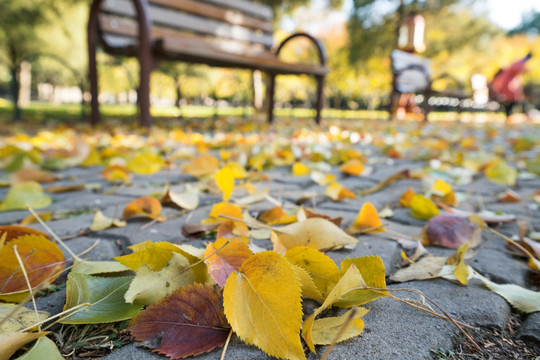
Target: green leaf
[
  {"x": 423, "y": 208},
  {"x": 25, "y": 194},
  {"x": 106, "y": 296},
  {"x": 44, "y": 348},
  {"x": 501, "y": 173}
]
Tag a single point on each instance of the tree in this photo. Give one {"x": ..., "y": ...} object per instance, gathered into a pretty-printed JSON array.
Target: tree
[{"x": 529, "y": 24}]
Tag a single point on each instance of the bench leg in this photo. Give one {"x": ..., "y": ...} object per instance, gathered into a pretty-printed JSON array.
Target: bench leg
[
  {"x": 270, "y": 96},
  {"x": 92, "y": 74},
  {"x": 144, "y": 94},
  {"x": 319, "y": 101}
]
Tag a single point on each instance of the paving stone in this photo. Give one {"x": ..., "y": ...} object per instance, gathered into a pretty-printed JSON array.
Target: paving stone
[
  {"x": 53, "y": 303},
  {"x": 106, "y": 249},
  {"x": 403, "y": 216},
  {"x": 392, "y": 167},
  {"x": 530, "y": 329},
  {"x": 481, "y": 186}
]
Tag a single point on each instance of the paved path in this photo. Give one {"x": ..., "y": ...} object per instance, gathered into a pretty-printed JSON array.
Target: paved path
[{"x": 392, "y": 330}]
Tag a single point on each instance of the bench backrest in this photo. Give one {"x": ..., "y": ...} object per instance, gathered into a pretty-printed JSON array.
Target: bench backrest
[{"x": 240, "y": 22}]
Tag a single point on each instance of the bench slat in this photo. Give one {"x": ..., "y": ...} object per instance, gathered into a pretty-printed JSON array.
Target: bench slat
[
  {"x": 226, "y": 15},
  {"x": 191, "y": 22},
  {"x": 128, "y": 28},
  {"x": 248, "y": 7}
]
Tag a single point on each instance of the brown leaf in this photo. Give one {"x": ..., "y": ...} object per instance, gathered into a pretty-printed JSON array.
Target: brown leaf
[
  {"x": 509, "y": 196},
  {"x": 197, "y": 230},
  {"x": 65, "y": 188},
  {"x": 404, "y": 174},
  {"x": 14, "y": 231},
  {"x": 36, "y": 175},
  {"x": 188, "y": 322},
  {"x": 451, "y": 231},
  {"x": 304, "y": 214}
]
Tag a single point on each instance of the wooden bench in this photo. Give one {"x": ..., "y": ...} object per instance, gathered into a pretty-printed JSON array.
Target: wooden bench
[
  {"x": 412, "y": 74},
  {"x": 223, "y": 33}
]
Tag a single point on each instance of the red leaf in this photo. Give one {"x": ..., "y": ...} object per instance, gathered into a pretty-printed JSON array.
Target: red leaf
[{"x": 188, "y": 322}]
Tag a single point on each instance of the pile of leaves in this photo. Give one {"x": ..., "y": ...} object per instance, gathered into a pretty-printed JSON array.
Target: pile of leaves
[{"x": 183, "y": 300}]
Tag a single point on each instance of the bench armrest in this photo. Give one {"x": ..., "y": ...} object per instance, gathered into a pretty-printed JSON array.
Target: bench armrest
[{"x": 317, "y": 43}]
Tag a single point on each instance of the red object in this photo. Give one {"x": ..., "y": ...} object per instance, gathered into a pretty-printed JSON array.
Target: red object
[{"x": 507, "y": 83}]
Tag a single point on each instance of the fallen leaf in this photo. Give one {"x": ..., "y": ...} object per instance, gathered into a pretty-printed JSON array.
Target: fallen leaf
[
  {"x": 102, "y": 222},
  {"x": 145, "y": 206},
  {"x": 276, "y": 216},
  {"x": 427, "y": 267},
  {"x": 299, "y": 169},
  {"x": 105, "y": 296},
  {"x": 31, "y": 219},
  {"x": 14, "y": 231},
  {"x": 322, "y": 179},
  {"x": 442, "y": 191},
  {"x": 367, "y": 220},
  {"x": 423, "y": 208},
  {"x": 98, "y": 268},
  {"x": 406, "y": 197},
  {"x": 149, "y": 287},
  {"x": 338, "y": 192},
  {"x": 24, "y": 195},
  {"x": 116, "y": 173},
  {"x": 451, "y": 231},
  {"x": 524, "y": 300},
  {"x": 21, "y": 319},
  {"x": 13, "y": 341},
  {"x": 222, "y": 212},
  {"x": 460, "y": 271},
  {"x": 44, "y": 348},
  {"x": 201, "y": 166},
  {"x": 499, "y": 172},
  {"x": 42, "y": 260},
  {"x": 316, "y": 233},
  {"x": 188, "y": 322},
  {"x": 309, "y": 289},
  {"x": 509, "y": 196},
  {"x": 198, "y": 230},
  {"x": 225, "y": 182},
  {"x": 189, "y": 199},
  {"x": 304, "y": 214},
  {"x": 325, "y": 330},
  {"x": 145, "y": 164},
  {"x": 36, "y": 175},
  {"x": 65, "y": 188},
  {"x": 321, "y": 268},
  {"x": 353, "y": 167},
  {"x": 228, "y": 259},
  {"x": 262, "y": 303},
  {"x": 533, "y": 245}
]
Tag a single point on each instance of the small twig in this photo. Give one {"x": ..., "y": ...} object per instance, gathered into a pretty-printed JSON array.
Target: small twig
[
  {"x": 340, "y": 332},
  {"x": 15, "y": 271},
  {"x": 147, "y": 225},
  {"x": 55, "y": 237},
  {"x": 40, "y": 287},
  {"x": 226, "y": 345},
  {"x": 23, "y": 270},
  {"x": 71, "y": 311},
  {"x": 400, "y": 235},
  {"x": 513, "y": 242}
]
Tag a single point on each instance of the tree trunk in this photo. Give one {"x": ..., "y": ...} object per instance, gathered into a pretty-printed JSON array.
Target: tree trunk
[{"x": 15, "y": 87}]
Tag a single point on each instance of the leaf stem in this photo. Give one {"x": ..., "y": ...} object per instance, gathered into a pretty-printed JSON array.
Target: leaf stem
[
  {"x": 340, "y": 332},
  {"x": 226, "y": 345},
  {"x": 55, "y": 237},
  {"x": 70, "y": 310},
  {"x": 513, "y": 242},
  {"x": 23, "y": 270}
]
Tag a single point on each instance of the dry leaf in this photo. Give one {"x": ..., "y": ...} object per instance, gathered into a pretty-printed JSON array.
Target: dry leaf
[
  {"x": 223, "y": 212},
  {"x": 423, "y": 208},
  {"x": 428, "y": 267},
  {"x": 367, "y": 220},
  {"x": 509, "y": 196},
  {"x": 14, "y": 231},
  {"x": 22, "y": 318},
  {"x": 276, "y": 216},
  {"x": 316, "y": 233},
  {"x": 102, "y": 222},
  {"x": 203, "y": 165},
  {"x": 499, "y": 172},
  {"x": 36, "y": 175},
  {"x": 325, "y": 330},
  {"x": 145, "y": 206},
  {"x": 451, "y": 231},
  {"x": 338, "y": 192},
  {"x": 322, "y": 179},
  {"x": 198, "y": 230},
  {"x": 352, "y": 167},
  {"x": 188, "y": 322},
  {"x": 145, "y": 164},
  {"x": 299, "y": 169},
  {"x": 406, "y": 197},
  {"x": 24, "y": 195},
  {"x": 522, "y": 299},
  {"x": 65, "y": 188},
  {"x": 404, "y": 174},
  {"x": 189, "y": 199},
  {"x": 116, "y": 173},
  {"x": 42, "y": 260},
  {"x": 13, "y": 341},
  {"x": 304, "y": 214},
  {"x": 263, "y": 305},
  {"x": 31, "y": 219},
  {"x": 225, "y": 182},
  {"x": 228, "y": 259}
]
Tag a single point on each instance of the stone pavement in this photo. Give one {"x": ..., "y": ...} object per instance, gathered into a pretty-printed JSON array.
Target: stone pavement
[{"x": 392, "y": 329}]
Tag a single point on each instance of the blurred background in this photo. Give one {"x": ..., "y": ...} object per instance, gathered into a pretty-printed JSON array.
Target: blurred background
[{"x": 43, "y": 63}]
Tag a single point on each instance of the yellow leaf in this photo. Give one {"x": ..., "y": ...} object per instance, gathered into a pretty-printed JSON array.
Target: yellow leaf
[
  {"x": 231, "y": 211},
  {"x": 405, "y": 199},
  {"x": 441, "y": 188},
  {"x": 501, "y": 173},
  {"x": 276, "y": 216},
  {"x": 228, "y": 259},
  {"x": 201, "y": 166},
  {"x": 40, "y": 176},
  {"x": 93, "y": 158},
  {"x": 102, "y": 222},
  {"x": 352, "y": 167},
  {"x": 325, "y": 330},
  {"x": 149, "y": 287},
  {"x": 299, "y": 169},
  {"x": 21, "y": 319},
  {"x": 349, "y": 281},
  {"x": 321, "y": 268},
  {"x": 30, "y": 219},
  {"x": 225, "y": 182},
  {"x": 322, "y": 179},
  {"x": 144, "y": 206},
  {"x": 238, "y": 170},
  {"x": 145, "y": 164},
  {"x": 189, "y": 199},
  {"x": 373, "y": 274},
  {"x": 25, "y": 194},
  {"x": 338, "y": 192},
  {"x": 461, "y": 270},
  {"x": 115, "y": 173},
  {"x": 316, "y": 233},
  {"x": 309, "y": 289},
  {"x": 13, "y": 341},
  {"x": 262, "y": 303},
  {"x": 367, "y": 220},
  {"x": 422, "y": 207}
]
